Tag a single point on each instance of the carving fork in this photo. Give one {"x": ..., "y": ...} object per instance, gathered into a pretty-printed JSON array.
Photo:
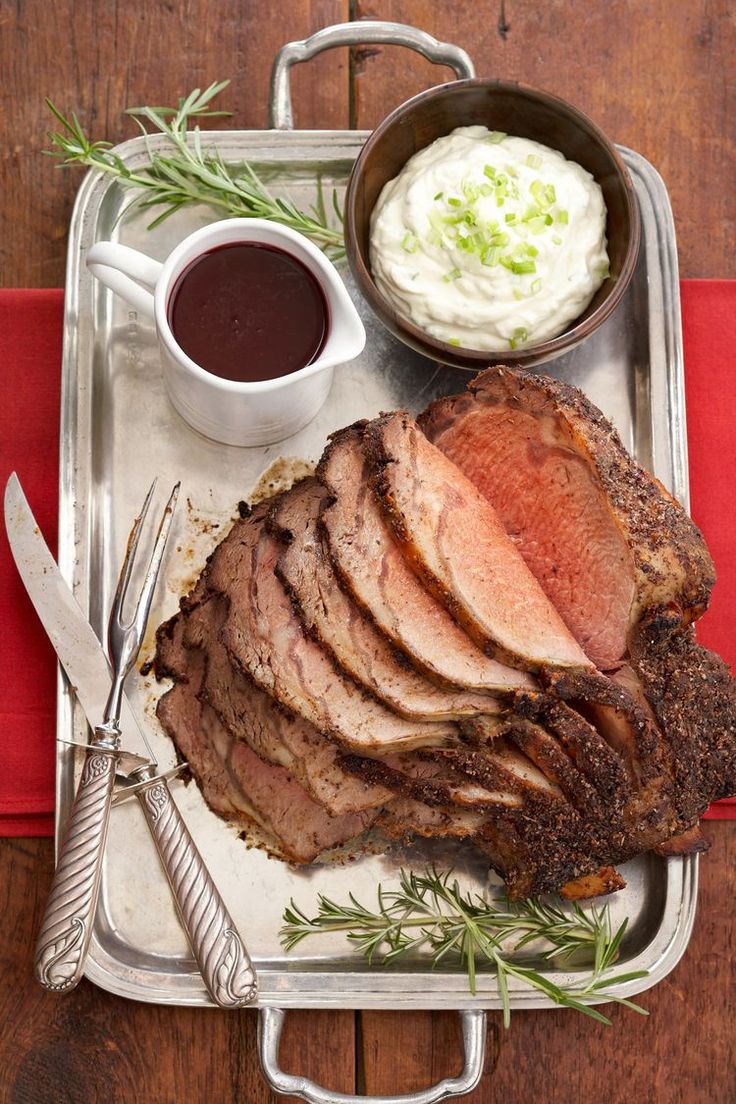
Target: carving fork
[{"x": 65, "y": 933}]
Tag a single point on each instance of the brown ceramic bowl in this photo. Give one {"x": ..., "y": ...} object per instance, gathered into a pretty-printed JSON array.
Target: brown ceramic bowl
[{"x": 525, "y": 113}]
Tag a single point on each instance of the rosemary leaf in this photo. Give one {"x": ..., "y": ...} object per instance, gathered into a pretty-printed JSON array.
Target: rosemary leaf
[
  {"x": 429, "y": 913},
  {"x": 189, "y": 172}
]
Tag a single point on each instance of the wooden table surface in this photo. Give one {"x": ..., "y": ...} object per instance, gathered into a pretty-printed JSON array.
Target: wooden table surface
[{"x": 658, "y": 76}]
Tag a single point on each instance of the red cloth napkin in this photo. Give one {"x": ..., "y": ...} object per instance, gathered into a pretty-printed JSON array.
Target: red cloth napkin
[
  {"x": 31, "y": 328},
  {"x": 709, "y": 336}
]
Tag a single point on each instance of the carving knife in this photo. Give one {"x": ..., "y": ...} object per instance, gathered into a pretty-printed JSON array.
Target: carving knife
[{"x": 223, "y": 960}]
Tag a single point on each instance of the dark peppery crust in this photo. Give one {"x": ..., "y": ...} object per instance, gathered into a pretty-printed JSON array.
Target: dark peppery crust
[
  {"x": 693, "y": 696},
  {"x": 375, "y": 771},
  {"x": 546, "y": 753},
  {"x": 600, "y": 764},
  {"x": 671, "y": 561}
]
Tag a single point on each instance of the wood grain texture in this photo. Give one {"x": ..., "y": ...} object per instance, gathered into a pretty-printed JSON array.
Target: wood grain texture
[
  {"x": 90, "y": 1046},
  {"x": 684, "y": 1052},
  {"x": 98, "y": 58},
  {"x": 658, "y": 76}
]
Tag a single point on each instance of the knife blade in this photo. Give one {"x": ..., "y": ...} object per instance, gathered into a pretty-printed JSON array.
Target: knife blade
[
  {"x": 221, "y": 955},
  {"x": 73, "y": 638}
]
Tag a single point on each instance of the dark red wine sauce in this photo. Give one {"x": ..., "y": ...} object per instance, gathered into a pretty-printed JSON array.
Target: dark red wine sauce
[{"x": 248, "y": 312}]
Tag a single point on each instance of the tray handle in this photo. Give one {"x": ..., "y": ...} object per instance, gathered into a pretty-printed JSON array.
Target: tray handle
[
  {"x": 271, "y": 1021},
  {"x": 280, "y": 115}
]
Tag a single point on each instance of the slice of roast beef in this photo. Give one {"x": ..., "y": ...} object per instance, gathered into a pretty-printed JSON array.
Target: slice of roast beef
[
  {"x": 604, "y": 538},
  {"x": 371, "y": 567},
  {"x": 432, "y": 780},
  {"x": 273, "y": 733},
  {"x": 405, "y": 818},
  {"x": 329, "y": 614},
  {"x": 240, "y": 786},
  {"x": 454, "y": 541},
  {"x": 264, "y": 638}
]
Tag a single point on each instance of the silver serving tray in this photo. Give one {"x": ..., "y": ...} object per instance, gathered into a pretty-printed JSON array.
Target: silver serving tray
[{"x": 118, "y": 430}]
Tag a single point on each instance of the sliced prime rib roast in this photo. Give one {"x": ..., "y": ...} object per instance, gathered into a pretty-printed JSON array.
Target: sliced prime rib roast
[
  {"x": 266, "y": 640},
  {"x": 274, "y": 734},
  {"x": 372, "y": 568},
  {"x": 312, "y": 595},
  {"x": 236, "y": 783},
  {"x": 332, "y": 617},
  {"x": 604, "y": 538},
  {"x": 453, "y": 539}
]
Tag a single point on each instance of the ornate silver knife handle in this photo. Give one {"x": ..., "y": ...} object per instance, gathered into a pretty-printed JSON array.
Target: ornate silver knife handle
[
  {"x": 223, "y": 961},
  {"x": 62, "y": 944}
]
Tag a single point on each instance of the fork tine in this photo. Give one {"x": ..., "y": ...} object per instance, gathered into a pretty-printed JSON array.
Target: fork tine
[
  {"x": 116, "y": 613},
  {"x": 143, "y": 607}
]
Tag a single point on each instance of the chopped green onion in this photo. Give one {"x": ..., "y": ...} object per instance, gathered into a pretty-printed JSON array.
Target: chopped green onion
[
  {"x": 453, "y": 202},
  {"x": 536, "y": 286},
  {"x": 453, "y": 341},
  {"x": 534, "y": 161},
  {"x": 485, "y": 189},
  {"x": 489, "y": 171},
  {"x": 495, "y": 137},
  {"x": 518, "y": 267},
  {"x": 537, "y": 225},
  {"x": 557, "y": 239},
  {"x": 562, "y": 217},
  {"x": 520, "y": 336},
  {"x": 490, "y": 257},
  {"x": 454, "y": 275},
  {"x": 409, "y": 242},
  {"x": 544, "y": 194},
  {"x": 439, "y": 196},
  {"x": 518, "y": 294},
  {"x": 510, "y": 218}
]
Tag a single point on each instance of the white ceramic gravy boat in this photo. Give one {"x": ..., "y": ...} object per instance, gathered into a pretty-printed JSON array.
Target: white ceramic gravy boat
[{"x": 235, "y": 413}]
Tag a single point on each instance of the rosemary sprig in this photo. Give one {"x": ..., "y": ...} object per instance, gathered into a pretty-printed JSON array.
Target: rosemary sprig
[
  {"x": 186, "y": 173},
  {"x": 430, "y": 913}
]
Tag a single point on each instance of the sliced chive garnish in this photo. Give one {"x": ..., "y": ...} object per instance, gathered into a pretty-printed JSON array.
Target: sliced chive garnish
[
  {"x": 495, "y": 137},
  {"x": 454, "y": 275},
  {"x": 563, "y": 217},
  {"x": 409, "y": 242},
  {"x": 520, "y": 336},
  {"x": 534, "y": 161},
  {"x": 453, "y": 341}
]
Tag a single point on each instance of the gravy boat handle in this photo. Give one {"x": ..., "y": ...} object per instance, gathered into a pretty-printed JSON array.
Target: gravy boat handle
[{"x": 130, "y": 274}]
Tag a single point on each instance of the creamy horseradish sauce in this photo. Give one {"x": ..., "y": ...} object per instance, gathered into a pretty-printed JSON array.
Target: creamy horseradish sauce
[{"x": 488, "y": 241}]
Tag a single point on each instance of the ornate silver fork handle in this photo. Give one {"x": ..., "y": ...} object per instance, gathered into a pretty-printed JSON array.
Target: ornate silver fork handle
[
  {"x": 223, "y": 961},
  {"x": 67, "y": 923}
]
